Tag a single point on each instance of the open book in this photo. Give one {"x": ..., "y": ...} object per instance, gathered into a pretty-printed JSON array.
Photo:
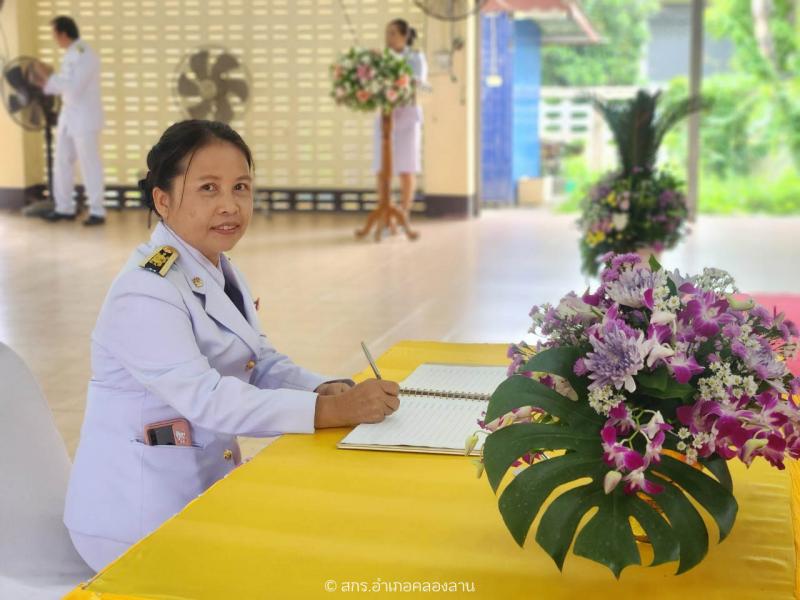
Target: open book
[{"x": 439, "y": 408}]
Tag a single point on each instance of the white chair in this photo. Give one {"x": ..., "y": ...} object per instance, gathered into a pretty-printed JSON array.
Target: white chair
[{"x": 37, "y": 559}]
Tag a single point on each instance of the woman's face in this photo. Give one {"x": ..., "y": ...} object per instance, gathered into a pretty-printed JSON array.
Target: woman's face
[
  {"x": 217, "y": 202},
  {"x": 394, "y": 39}
]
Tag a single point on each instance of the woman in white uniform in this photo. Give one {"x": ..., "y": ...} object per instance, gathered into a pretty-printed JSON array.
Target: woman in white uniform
[
  {"x": 407, "y": 123},
  {"x": 180, "y": 366}
]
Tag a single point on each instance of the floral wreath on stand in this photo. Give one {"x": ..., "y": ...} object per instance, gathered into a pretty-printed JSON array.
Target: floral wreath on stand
[{"x": 369, "y": 80}]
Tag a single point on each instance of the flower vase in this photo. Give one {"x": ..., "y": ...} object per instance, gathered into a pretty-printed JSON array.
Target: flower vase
[{"x": 647, "y": 252}]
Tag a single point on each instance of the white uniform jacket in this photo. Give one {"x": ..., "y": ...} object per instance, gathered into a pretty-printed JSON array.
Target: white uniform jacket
[
  {"x": 169, "y": 347},
  {"x": 78, "y": 84}
]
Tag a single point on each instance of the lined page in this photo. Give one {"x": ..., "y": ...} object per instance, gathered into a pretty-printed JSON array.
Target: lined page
[
  {"x": 423, "y": 421},
  {"x": 455, "y": 379}
]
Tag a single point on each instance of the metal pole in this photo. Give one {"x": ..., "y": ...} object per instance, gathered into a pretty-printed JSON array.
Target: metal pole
[
  {"x": 477, "y": 75},
  {"x": 695, "y": 88}
]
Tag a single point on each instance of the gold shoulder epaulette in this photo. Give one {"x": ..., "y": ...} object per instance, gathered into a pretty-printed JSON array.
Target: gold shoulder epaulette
[{"x": 161, "y": 260}]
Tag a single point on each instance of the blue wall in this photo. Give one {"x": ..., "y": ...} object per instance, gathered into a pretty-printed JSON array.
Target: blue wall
[
  {"x": 510, "y": 112},
  {"x": 527, "y": 86},
  {"x": 497, "y": 184}
]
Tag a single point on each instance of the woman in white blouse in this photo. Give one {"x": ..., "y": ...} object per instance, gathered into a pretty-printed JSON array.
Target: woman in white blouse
[{"x": 407, "y": 124}]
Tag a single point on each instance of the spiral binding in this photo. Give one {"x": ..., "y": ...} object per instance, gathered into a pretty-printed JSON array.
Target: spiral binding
[{"x": 443, "y": 394}]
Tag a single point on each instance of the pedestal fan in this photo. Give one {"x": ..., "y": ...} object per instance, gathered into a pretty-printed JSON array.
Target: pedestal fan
[{"x": 33, "y": 110}]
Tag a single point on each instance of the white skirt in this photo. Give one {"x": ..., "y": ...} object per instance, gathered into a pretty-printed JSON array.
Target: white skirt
[{"x": 406, "y": 141}]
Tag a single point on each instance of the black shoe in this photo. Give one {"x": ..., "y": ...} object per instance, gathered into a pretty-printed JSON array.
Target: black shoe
[
  {"x": 54, "y": 216},
  {"x": 94, "y": 220}
]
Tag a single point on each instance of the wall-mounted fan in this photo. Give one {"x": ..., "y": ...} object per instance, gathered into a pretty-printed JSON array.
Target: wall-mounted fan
[
  {"x": 29, "y": 107},
  {"x": 213, "y": 84},
  {"x": 450, "y": 10}
]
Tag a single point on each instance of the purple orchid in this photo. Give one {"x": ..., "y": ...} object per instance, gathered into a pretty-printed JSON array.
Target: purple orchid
[
  {"x": 594, "y": 299},
  {"x": 652, "y": 453},
  {"x": 618, "y": 455},
  {"x": 657, "y": 344},
  {"x": 684, "y": 367},
  {"x": 774, "y": 450},
  {"x": 635, "y": 481},
  {"x": 621, "y": 419},
  {"x": 762, "y": 314},
  {"x": 656, "y": 426},
  {"x": 707, "y": 313},
  {"x": 772, "y": 447},
  {"x": 731, "y": 355}
]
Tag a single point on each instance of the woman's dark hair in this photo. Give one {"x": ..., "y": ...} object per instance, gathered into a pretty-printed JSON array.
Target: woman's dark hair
[
  {"x": 406, "y": 30},
  {"x": 173, "y": 153},
  {"x": 66, "y": 25}
]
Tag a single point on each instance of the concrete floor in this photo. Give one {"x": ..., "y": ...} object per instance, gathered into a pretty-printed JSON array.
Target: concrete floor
[{"x": 322, "y": 292}]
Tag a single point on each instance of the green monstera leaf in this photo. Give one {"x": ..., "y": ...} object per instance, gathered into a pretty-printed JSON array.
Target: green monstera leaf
[{"x": 572, "y": 480}]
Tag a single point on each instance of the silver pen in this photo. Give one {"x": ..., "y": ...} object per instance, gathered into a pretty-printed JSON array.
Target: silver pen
[{"x": 371, "y": 361}]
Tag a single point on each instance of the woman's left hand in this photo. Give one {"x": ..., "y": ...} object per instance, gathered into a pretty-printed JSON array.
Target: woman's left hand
[{"x": 331, "y": 389}]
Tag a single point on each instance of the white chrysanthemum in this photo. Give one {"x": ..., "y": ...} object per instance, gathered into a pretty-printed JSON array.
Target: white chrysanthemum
[
  {"x": 619, "y": 221},
  {"x": 629, "y": 288}
]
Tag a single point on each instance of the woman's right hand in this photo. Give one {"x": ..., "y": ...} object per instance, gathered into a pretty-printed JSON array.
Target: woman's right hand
[{"x": 370, "y": 401}]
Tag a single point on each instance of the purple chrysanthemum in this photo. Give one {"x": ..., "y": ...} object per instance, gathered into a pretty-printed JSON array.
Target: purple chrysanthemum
[{"x": 618, "y": 354}]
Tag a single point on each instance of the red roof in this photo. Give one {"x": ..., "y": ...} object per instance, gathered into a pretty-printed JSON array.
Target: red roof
[
  {"x": 563, "y": 21},
  {"x": 525, "y": 5}
]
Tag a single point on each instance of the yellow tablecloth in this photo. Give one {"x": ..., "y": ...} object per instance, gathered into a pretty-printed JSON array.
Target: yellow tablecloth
[{"x": 303, "y": 518}]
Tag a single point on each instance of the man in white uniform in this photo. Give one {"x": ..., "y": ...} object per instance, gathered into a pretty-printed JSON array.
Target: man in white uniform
[{"x": 79, "y": 124}]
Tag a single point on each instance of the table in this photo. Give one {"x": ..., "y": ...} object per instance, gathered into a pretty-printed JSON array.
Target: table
[{"x": 305, "y": 520}]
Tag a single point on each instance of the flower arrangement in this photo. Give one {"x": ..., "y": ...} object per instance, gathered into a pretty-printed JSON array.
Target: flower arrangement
[
  {"x": 367, "y": 80},
  {"x": 640, "y": 212},
  {"x": 638, "y": 208},
  {"x": 635, "y": 398}
]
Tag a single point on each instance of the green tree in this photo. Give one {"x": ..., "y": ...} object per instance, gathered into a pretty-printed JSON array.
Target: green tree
[
  {"x": 766, "y": 39},
  {"x": 623, "y": 26}
]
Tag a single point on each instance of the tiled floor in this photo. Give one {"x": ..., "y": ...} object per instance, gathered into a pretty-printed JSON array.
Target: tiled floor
[{"x": 322, "y": 292}]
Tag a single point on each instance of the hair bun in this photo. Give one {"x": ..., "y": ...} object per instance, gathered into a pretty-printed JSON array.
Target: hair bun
[{"x": 147, "y": 191}]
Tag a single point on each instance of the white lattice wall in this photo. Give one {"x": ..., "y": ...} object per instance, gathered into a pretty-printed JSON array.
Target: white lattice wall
[{"x": 299, "y": 137}]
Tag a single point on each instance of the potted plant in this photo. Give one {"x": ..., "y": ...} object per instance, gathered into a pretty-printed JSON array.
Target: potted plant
[{"x": 638, "y": 208}]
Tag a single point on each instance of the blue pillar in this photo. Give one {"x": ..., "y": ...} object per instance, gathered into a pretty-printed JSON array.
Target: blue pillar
[
  {"x": 497, "y": 184},
  {"x": 527, "y": 85}
]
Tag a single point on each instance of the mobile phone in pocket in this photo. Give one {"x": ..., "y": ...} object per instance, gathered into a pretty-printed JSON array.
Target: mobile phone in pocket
[{"x": 173, "y": 432}]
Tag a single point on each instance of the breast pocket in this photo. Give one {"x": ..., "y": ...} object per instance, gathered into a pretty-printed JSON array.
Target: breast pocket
[{"x": 172, "y": 476}]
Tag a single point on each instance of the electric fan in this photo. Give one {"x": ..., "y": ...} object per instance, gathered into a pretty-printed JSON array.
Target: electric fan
[
  {"x": 212, "y": 84},
  {"x": 30, "y": 108},
  {"x": 450, "y": 10}
]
